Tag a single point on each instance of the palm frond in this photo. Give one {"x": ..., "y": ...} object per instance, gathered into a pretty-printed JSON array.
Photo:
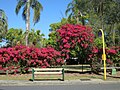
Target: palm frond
[
  {"x": 37, "y": 7},
  {"x": 24, "y": 12},
  {"x": 19, "y": 5},
  {"x": 70, "y": 16},
  {"x": 32, "y": 2},
  {"x": 67, "y": 11},
  {"x": 69, "y": 5}
]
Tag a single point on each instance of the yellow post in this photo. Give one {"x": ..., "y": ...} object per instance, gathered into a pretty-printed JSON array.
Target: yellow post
[{"x": 104, "y": 55}]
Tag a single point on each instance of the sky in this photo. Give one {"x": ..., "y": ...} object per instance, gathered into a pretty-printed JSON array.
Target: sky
[{"x": 53, "y": 11}]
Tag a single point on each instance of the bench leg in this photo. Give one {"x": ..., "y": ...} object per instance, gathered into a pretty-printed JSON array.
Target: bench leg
[
  {"x": 33, "y": 75},
  {"x": 63, "y": 75}
]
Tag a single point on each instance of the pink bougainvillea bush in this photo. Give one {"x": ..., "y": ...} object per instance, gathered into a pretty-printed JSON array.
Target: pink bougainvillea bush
[
  {"x": 23, "y": 57},
  {"x": 75, "y": 41},
  {"x": 112, "y": 57}
]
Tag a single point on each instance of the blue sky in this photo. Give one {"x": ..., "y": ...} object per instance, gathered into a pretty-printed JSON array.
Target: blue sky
[{"x": 53, "y": 11}]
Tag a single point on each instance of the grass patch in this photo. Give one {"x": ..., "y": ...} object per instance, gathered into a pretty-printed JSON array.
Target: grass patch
[{"x": 68, "y": 76}]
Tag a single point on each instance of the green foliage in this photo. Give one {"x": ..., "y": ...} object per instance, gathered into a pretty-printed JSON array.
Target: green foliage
[
  {"x": 103, "y": 14},
  {"x": 73, "y": 53},
  {"x": 98, "y": 42},
  {"x": 55, "y": 26},
  {"x": 36, "y": 38},
  {"x": 76, "y": 12},
  {"x": 107, "y": 18},
  {"x": 15, "y": 36},
  {"x": 52, "y": 40}
]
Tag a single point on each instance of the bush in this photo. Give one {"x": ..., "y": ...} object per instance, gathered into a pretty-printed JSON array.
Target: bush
[
  {"x": 75, "y": 41},
  {"x": 23, "y": 57},
  {"x": 112, "y": 57}
]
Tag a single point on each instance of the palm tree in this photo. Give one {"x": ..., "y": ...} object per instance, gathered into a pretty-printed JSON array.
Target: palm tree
[
  {"x": 73, "y": 8},
  {"x": 26, "y": 4},
  {"x": 3, "y": 24},
  {"x": 76, "y": 8}
]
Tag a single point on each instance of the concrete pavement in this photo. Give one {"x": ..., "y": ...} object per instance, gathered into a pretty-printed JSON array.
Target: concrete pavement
[{"x": 66, "y": 82}]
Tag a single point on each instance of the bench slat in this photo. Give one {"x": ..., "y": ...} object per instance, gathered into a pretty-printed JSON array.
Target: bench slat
[
  {"x": 49, "y": 69},
  {"x": 48, "y": 73},
  {"x": 110, "y": 67}
]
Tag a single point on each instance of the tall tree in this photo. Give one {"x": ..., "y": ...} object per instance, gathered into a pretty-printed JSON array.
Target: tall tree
[
  {"x": 36, "y": 6},
  {"x": 103, "y": 14},
  {"x": 76, "y": 10},
  {"x": 3, "y": 24}
]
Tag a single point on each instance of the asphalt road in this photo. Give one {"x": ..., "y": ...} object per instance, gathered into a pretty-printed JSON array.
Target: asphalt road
[{"x": 114, "y": 86}]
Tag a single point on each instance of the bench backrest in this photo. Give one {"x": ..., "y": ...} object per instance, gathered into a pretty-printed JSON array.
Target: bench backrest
[{"x": 47, "y": 69}]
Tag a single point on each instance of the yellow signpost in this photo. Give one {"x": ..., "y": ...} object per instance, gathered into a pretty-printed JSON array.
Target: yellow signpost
[{"x": 103, "y": 55}]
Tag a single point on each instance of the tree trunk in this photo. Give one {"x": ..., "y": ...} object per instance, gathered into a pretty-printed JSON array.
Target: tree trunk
[
  {"x": 101, "y": 14},
  {"x": 113, "y": 37},
  {"x": 27, "y": 22},
  {"x": 77, "y": 19}
]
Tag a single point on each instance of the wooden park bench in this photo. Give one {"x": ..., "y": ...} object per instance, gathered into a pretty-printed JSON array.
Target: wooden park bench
[
  {"x": 112, "y": 69},
  {"x": 47, "y": 71}
]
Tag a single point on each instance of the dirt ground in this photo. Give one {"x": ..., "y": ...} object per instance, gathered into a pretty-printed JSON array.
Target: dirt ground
[{"x": 68, "y": 76}]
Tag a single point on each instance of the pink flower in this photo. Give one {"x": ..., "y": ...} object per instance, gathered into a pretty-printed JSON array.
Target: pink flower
[
  {"x": 64, "y": 41},
  {"x": 73, "y": 41},
  {"x": 26, "y": 69},
  {"x": 79, "y": 40},
  {"x": 1, "y": 67},
  {"x": 40, "y": 62},
  {"x": 82, "y": 45},
  {"x": 58, "y": 60},
  {"x": 67, "y": 45},
  {"x": 16, "y": 70},
  {"x": 43, "y": 66},
  {"x": 90, "y": 56},
  {"x": 112, "y": 51},
  {"x": 34, "y": 63},
  {"x": 5, "y": 69},
  {"x": 63, "y": 54},
  {"x": 67, "y": 38},
  {"x": 15, "y": 59},
  {"x": 67, "y": 57},
  {"x": 95, "y": 50},
  {"x": 109, "y": 61},
  {"x": 85, "y": 45}
]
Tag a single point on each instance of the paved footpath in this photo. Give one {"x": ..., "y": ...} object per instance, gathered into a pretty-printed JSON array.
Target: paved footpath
[{"x": 42, "y": 83}]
